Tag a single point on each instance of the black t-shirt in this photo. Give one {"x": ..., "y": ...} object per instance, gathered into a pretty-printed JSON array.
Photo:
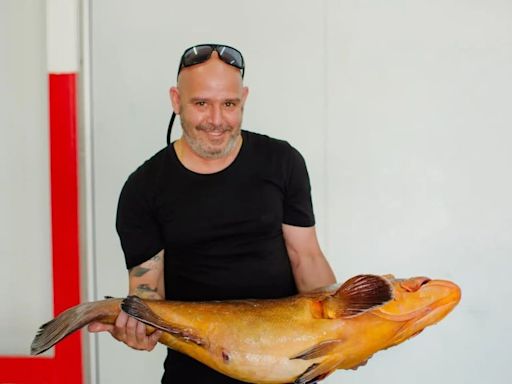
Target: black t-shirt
[{"x": 221, "y": 232}]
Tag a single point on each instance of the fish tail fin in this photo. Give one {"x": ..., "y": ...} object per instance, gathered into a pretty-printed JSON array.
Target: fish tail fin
[
  {"x": 357, "y": 295},
  {"x": 71, "y": 320}
]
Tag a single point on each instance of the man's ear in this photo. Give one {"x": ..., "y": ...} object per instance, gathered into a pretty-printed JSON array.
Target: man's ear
[
  {"x": 174, "y": 93},
  {"x": 245, "y": 93}
]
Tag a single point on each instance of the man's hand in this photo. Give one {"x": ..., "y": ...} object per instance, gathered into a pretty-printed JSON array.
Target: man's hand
[
  {"x": 147, "y": 282},
  {"x": 129, "y": 331}
]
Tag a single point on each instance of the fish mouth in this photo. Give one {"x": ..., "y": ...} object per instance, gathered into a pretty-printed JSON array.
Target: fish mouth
[
  {"x": 415, "y": 326},
  {"x": 434, "y": 299}
]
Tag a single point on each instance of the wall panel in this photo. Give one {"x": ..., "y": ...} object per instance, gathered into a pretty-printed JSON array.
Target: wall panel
[
  {"x": 401, "y": 110},
  {"x": 25, "y": 249},
  {"x": 418, "y": 126}
]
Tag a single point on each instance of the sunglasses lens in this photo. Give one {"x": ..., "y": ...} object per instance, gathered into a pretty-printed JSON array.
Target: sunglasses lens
[
  {"x": 231, "y": 56},
  {"x": 197, "y": 55}
]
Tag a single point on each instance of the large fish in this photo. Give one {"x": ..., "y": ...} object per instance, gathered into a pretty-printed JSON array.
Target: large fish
[{"x": 300, "y": 339}]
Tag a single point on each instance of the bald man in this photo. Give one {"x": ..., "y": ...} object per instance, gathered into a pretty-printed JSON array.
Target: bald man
[{"x": 221, "y": 213}]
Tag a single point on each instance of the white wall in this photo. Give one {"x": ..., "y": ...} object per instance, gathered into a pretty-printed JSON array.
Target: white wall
[
  {"x": 402, "y": 110},
  {"x": 25, "y": 269}
]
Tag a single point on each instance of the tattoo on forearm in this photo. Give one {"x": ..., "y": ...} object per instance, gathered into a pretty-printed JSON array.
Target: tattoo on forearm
[
  {"x": 146, "y": 292},
  {"x": 139, "y": 271},
  {"x": 156, "y": 257},
  {"x": 146, "y": 288}
]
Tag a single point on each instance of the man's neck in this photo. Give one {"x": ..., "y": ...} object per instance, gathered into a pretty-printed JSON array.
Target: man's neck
[{"x": 196, "y": 163}]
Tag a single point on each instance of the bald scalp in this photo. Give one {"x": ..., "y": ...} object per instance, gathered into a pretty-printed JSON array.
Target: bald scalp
[{"x": 213, "y": 69}]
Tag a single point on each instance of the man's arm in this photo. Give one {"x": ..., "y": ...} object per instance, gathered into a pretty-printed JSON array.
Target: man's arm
[
  {"x": 146, "y": 281},
  {"x": 309, "y": 265}
]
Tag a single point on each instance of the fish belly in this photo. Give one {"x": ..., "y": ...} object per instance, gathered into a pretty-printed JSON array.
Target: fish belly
[
  {"x": 246, "y": 365},
  {"x": 253, "y": 344}
]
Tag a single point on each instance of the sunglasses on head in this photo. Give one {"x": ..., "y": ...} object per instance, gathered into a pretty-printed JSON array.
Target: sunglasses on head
[{"x": 199, "y": 54}]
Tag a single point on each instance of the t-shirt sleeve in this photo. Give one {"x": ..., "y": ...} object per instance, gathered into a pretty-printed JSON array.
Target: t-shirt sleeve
[
  {"x": 298, "y": 208},
  {"x": 136, "y": 223}
]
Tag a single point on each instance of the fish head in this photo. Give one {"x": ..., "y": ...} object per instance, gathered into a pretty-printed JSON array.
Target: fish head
[{"x": 417, "y": 303}]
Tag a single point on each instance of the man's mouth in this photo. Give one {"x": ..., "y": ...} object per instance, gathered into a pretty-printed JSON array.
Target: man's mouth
[
  {"x": 213, "y": 132},
  {"x": 216, "y": 133}
]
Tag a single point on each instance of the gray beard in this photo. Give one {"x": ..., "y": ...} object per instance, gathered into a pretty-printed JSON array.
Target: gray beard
[{"x": 196, "y": 146}]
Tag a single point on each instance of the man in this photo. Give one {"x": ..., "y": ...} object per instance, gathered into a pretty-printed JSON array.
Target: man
[{"x": 219, "y": 214}]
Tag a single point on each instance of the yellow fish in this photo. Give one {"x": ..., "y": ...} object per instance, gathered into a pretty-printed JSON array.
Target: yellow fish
[{"x": 300, "y": 339}]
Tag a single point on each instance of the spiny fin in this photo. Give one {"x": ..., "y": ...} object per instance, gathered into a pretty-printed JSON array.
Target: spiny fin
[
  {"x": 136, "y": 307},
  {"x": 315, "y": 372},
  {"x": 358, "y": 295},
  {"x": 304, "y": 378},
  {"x": 319, "y": 350}
]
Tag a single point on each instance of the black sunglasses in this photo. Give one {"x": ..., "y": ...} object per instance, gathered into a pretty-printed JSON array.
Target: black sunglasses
[{"x": 199, "y": 54}]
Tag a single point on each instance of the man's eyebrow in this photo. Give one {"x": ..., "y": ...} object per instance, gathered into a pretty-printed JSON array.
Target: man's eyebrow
[
  {"x": 194, "y": 99},
  {"x": 233, "y": 99},
  {"x": 229, "y": 99}
]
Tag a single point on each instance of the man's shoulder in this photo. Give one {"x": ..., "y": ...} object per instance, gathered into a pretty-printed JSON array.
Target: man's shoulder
[
  {"x": 261, "y": 141},
  {"x": 150, "y": 169}
]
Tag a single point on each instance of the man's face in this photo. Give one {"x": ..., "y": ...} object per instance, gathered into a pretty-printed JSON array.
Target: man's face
[{"x": 209, "y": 99}]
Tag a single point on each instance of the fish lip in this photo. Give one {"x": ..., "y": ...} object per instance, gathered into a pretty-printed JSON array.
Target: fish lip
[
  {"x": 445, "y": 283},
  {"x": 452, "y": 299},
  {"x": 414, "y": 322},
  {"x": 404, "y": 317},
  {"x": 455, "y": 295}
]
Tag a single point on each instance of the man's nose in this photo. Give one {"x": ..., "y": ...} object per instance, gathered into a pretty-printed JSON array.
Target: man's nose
[{"x": 216, "y": 115}]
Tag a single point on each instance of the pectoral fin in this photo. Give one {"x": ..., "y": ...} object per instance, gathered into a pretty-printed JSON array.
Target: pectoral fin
[
  {"x": 357, "y": 295},
  {"x": 319, "y": 350},
  {"x": 317, "y": 371},
  {"x": 137, "y": 308}
]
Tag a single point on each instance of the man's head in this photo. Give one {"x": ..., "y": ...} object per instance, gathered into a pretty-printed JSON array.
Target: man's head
[{"x": 209, "y": 97}]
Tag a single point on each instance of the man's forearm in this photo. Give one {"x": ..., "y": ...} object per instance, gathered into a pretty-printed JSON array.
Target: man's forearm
[
  {"x": 146, "y": 280},
  {"x": 313, "y": 272}
]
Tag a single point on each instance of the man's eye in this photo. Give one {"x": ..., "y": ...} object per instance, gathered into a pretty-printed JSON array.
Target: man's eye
[
  {"x": 201, "y": 103},
  {"x": 229, "y": 104}
]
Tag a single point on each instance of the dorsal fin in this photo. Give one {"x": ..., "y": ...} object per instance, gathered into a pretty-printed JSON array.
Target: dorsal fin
[
  {"x": 357, "y": 295},
  {"x": 136, "y": 307}
]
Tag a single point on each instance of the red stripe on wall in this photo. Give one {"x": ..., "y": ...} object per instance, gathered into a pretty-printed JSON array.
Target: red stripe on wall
[
  {"x": 27, "y": 370},
  {"x": 64, "y": 198},
  {"x": 66, "y": 365}
]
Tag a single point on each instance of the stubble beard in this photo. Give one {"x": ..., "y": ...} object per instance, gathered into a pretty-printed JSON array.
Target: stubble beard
[{"x": 202, "y": 148}]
